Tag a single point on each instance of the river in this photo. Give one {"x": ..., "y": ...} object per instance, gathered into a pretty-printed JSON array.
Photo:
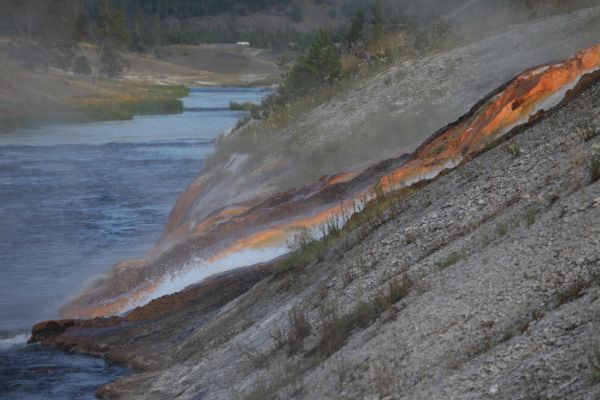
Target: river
[{"x": 75, "y": 199}]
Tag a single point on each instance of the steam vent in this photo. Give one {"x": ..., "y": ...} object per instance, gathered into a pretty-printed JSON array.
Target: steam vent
[{"x": 260, "y": 231}]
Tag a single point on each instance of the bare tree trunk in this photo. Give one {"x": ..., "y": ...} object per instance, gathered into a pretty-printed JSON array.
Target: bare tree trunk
[
  {"x": 28, "y": 18},
  {"x": 99, "y": 52}
]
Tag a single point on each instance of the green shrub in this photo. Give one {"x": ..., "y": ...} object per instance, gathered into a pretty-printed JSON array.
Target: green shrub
[
  {"x": 246, "y": 106},
  {"x": 319, "y": 65},
  {"x": 254, "y": 109}
]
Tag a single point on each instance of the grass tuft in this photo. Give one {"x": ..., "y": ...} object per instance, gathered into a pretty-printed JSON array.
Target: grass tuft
[
  {"x": 531, "y": 215},
  {"x": 305, "y": 249},
  {"x": 513, "y": 149},
  {"x": 595, "y": 169},
  {"x": 588, "y": 133},
  {"x": 594, "y": 364},
  {"x": 299, "y": 330},
  {"x": 337, "y": 327},
  {"x": 501, "y": 229},
  {"x": 571, "y": 292},
  {"x": 451, "y": 260}
]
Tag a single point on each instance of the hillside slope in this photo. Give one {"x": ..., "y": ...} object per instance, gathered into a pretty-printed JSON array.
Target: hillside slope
[
  {"x": 234, "y": 215},
  {"x": 384, "y": 116},
  {"x": 483, "y": 283}
]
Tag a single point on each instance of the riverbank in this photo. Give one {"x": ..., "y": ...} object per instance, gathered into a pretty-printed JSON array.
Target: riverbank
[
  {"x": 122, "y": 101},
  {"x": 78, "y": 198},
  {"x": 153, "y": 84}
]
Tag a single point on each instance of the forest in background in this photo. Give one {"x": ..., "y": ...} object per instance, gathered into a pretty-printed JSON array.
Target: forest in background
[{"x": 47, "y": 33}]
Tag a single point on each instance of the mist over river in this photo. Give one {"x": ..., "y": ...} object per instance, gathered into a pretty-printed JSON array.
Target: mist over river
[{"x": 74, "y": 200}]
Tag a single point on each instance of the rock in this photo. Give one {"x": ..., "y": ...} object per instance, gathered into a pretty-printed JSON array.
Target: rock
[
  {"x": 493, "y": 390},
  {"x": 43, "y": 331}
]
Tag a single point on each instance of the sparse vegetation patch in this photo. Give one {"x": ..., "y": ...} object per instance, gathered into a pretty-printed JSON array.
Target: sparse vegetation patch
[
  {"x": 571, "y": 292},
  {"x": 337, "y": 326},
  {"x": 595, "y": 169},
  {"x": 513, "y": 149},
  {"x": 531, "y": 215},
  {"x": 588, "y": 133},
  {"x": 451, "y": 260},
  {"x": 299, "y": 329},
  {"x": 594, "y": 363},
  {"x": 501, "y": 229}
]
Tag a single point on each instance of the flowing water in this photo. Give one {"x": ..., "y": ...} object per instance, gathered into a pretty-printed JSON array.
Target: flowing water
[{"x": 74, "y": 200}]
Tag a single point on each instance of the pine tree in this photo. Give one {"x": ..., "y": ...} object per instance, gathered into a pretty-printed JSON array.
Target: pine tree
[
  {"x": 319, "y": 66},
  {"x": 377, "y": 25},
  {"x": 356, "y": 28},
  {"x": 323, "y": 57}
]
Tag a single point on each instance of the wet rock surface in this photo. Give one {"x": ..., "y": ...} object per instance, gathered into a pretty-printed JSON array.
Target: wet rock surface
[{"x": 141, "y": 338}]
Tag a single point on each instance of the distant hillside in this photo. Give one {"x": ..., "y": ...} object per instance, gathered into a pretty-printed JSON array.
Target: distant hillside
[{"x": 263, "y": 23}]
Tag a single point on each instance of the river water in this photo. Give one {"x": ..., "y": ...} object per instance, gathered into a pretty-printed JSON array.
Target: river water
[{"x": 74, "y": 200}]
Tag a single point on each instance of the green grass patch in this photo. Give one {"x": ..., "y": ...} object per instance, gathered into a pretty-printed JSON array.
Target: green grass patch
[
  {"x": 127, "y": 101},
  {"x": 127, "y": 109},
  {"x": 255, "y": 110},
  {"x": 246, "y": 106}
]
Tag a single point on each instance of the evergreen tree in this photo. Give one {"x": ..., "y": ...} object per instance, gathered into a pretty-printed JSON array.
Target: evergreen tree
[
  {"x": 320, "y": 65},
  {"x": 283, "y": 64},
  {"x": 357, "y": 27},
  {"x": 377, "y": 25},
  {"x": 323, "y": 57}
]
